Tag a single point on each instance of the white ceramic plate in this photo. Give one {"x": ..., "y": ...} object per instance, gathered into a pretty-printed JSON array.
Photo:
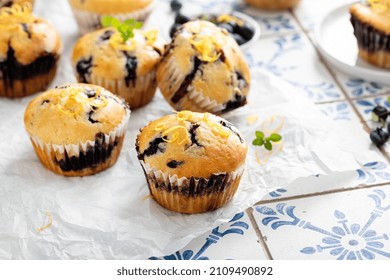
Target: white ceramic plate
[
  {"x": 249, "y": 20},
  {"x": 337, "y": 44}
]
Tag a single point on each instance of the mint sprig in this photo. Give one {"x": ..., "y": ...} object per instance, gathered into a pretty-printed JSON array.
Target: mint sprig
[
  {"x": 266, "y": 141},
  {"x": 126, "y": 28}
]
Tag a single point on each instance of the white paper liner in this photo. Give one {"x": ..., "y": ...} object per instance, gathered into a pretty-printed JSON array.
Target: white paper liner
[
  {"x": 136, "y": 95},
  {"x": 51, "y": 152},
  {"x": 89, "y": 21}
]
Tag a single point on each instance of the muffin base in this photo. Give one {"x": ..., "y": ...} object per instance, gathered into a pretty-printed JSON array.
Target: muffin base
[
  {"x": 137, "y": 93},
  {"x": 29, "y": 86},
  {"x": 192, "y": 195},
  {"x": 88, "y": 21},
  {"x": 273, "y": 4},
  {"x": 378, "y": 58}
]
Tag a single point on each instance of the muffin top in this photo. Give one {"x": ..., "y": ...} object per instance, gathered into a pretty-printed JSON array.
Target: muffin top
[
  {"x": 110, "y": 6},
  {"x": 75, "y": 113},
  {"x": 376, "y": 15},
  {"x": 104, "y": 54},
  {"x": 190, "y": 144},
  {"x": 210, "y": 62},
  {"x": 24, "y": 37},
  {"x": 9, "y": 3}
]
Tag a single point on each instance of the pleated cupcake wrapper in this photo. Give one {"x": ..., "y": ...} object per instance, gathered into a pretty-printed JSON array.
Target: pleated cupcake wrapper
[
  {"x": 193, "y": 100},
  {"x": 50, "y": 153},
  {"x": 30, "y": 85},
  {"x": 89, "y": 21},
  {"x": 136, "y": 95},
  {"x": 372, "y": 41},
  {"x": 177, "y": 183}
]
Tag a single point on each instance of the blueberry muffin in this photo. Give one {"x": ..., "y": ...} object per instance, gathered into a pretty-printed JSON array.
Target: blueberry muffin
[
  {"x": 88, "y": 13},
  {"x": 29, "y": 52},
  {"x": 203, "y": 70},
  {"x": 371, "y": 23},
  {"x": 273, "y": 4},
  {"x": 127, "y": 69},
  {"x": 86, "y": 129},
  {"x": 193, "y": 162},
  {"x": 9, "y": 3}
]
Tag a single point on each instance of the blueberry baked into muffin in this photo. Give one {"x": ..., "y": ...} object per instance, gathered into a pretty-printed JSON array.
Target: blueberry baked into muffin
[
  {"x": 273, "y": 4},
  {"x": 125, "y": 67},
  {"x": 203, "y": 70},
  {"x": 371, "y": 23},
  {"x": 9, "y": 3},
  {"x": 86, "y": 129},
  {"x": 193, "y": 162},
  {"x": 29, "y": 52},
  {"x": 88, "y": 13}
]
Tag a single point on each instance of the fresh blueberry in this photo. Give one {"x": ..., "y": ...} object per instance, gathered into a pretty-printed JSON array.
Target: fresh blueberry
[
  {"x": 174, "y": 29},
  {"x": 238, "y": 39},
  {"x": 379, "y": 136},
  {"x": 379, "y": 113},
  {"x": 246, "y": 31},
  {"x": 227, "y": 26},
  {"x": 180, "y": 18},
  {"x": 176, "y": 5}
]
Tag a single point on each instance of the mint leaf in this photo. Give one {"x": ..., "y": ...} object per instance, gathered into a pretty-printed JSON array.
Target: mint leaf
[
  {"x": 109, "y": 21},
  {"x": 126, "y": 29},
  {"x": 258, "y": 142},
  {"x": 275, "y": 137},
  {"x": 259, "y": 134},
  {"x": 268, "y": 145}
]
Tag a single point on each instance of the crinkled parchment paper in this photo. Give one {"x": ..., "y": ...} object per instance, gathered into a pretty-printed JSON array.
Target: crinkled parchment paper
[{"x": 109, "y": 215}]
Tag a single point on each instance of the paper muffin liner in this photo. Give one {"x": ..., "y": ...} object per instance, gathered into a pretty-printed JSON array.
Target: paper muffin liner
[
  {"x": 191, "y": 195},
  {"x": 83, "y": 158},
  {"x": 170, "y": 79},
  {"x": 31, "y": 85},
  {"x": 89, "y": 21},
  {"x": 139, "y": 92},
  {"x": 273, "y": 4},
  {"x": 374, "y": 45}
]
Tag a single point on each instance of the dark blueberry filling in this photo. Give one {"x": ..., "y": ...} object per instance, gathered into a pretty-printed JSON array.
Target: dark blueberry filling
[
  {"x": 90, "y": 117},
  {"x": 91, "y": 159},
  {"x": 83, "y": 69},
  {"x": 11, "y": 69},
  {"x": 229, "y": 126},
  {"x": 45, "y": 101},
  {"x": 154, "y": 148},
  {"x": 175, "y": 164},
  {"x": 106, "y": 35},
  {"x": 62, "y": 87},
  {"x": 6, "y": 4},
  {"x": 25, "y": 29},
  {"x": 182, "y": 91},
  {"x": 90, "y": 92},
  {"x": 194, "y": 127},
  {"x": 131, "y": 67},
  {"x": 370, "y": 38},
  {"x": 238, "y": 101},
  {"x": 241, "y": 33}
]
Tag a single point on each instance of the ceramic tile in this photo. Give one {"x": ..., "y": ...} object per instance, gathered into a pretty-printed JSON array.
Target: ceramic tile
[
  {"x": 347, "y": 225},
  {"x": 233, "y": 240},
  {"x": 366, "y": 105},
  {"x": 309, "y": 12},
  {"x": 340, "y": 112},
  {"x": 357, "y": 88},
  {"x": 293, "y": 58}
]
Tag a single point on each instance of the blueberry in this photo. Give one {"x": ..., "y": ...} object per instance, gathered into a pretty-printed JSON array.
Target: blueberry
[
  {"x": 174, "y": 29},
  {"x": 176, "y": 5},
  {"x": 180, "y": 18},
  {"x": 246, "y": 31},
  {"x": 379, "y": 113},
  {"x": 227, "y": 26},
  {"x": 238, "y": 39},
  {"x": 379, "y": 136}
]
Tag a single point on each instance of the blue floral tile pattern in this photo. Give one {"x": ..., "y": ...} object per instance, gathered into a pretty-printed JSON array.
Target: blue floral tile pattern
[
  {"x": 339, "y": 111},
  {"x": 365, "y": 106},
  {"x": 364, "y": 235}
]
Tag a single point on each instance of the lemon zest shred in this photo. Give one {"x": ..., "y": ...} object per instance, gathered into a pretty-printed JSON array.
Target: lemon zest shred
[
  {"x": 216, "y": 127},
  {"x": 49, "y": 224},
  {"x": 117, "y": 42},
  {"x": 207, "y": 46},
  {"x": 252, "y": 119},
  {"x": 380, "y": 5},
  {"x": 151, "y": 36},
  {"x": 180, "y": 135},
  {"x": 160, "y": 126},
  {"x": 184, "y": 115},
  {"x": 229, "y": 18}
]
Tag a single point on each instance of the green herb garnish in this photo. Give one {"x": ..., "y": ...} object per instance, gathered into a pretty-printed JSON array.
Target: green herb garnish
[
  {"x": 126, "y": 28},
  {"x": 266, "y": 141}
]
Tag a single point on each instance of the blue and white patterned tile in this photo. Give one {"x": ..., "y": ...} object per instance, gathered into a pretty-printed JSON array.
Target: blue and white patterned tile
[
  {"x": 340, "y": 226},
  {"x": 374, "y": 172},
  {"x": 358, "y": 88},
  {"x": 340, "y": 112},
  {"x": 293, "y": 58},
  {"x": 233, "y": 240},
  {"x": 309, "y": 12},
  {"x": 366, "y": 105}
]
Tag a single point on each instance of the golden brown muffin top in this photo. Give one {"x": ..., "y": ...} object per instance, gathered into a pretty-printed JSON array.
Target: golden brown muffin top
[
  {"x": 189, "y": 144},
  {"x": 8, "y": 3},
  {"x": 71, "y": 114},
  {"x": 108, "y": 56},
  {"x": 221, "y": 69},
  {"x": 379, "y": 18},
  {"x": 110, "y": 6},
  {"x": 25, "y": 36}
]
